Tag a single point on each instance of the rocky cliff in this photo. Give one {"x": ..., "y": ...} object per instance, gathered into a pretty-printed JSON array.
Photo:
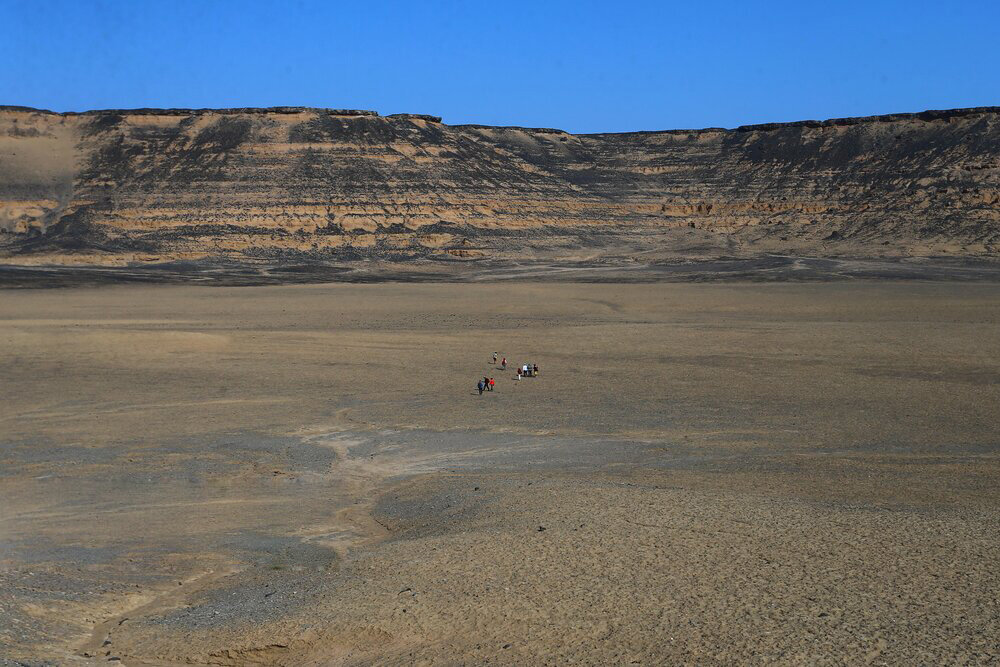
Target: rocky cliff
[{"x": 320, "y": 185}]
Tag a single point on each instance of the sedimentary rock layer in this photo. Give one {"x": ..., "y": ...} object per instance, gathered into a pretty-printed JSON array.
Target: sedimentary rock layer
[{"x": 108, "y": 187}]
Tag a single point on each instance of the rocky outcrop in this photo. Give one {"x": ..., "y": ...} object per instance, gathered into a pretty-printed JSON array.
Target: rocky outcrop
[{"x": 245, "y": 185}]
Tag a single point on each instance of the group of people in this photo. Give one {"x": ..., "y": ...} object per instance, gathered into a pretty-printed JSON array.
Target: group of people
[
  {"x": 488, "y": 383},
  {"x": 531, "y": 370}
]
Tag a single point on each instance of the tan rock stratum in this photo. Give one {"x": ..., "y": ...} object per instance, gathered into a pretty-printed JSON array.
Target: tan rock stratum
[{"x": 322, "y": 186}]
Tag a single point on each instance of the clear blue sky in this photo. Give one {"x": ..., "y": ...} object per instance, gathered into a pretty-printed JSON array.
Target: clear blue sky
[{"x": 581, "y": 66}]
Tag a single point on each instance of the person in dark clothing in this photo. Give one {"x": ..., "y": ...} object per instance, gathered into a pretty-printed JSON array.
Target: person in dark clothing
[
  {"x": 480, "y": 387},
  {"x": 535, "y": 369}
]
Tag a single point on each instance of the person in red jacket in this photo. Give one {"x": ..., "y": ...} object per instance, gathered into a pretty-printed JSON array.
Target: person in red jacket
[{"x": 492, "y": 384}]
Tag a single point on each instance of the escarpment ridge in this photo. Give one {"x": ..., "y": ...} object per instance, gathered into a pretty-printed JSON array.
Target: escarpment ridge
[{"x": 284, "y": 185}]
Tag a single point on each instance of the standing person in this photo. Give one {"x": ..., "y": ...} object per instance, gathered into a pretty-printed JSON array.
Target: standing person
[
  {"x": 494, "y": 358},
  {"x": 503, "y": 364},
  {"x": 492, "y": 384},
  {"x": 518, "y": 373},
  {"x": 480, "y": 387},
  {"x": 535, "y": 369}
]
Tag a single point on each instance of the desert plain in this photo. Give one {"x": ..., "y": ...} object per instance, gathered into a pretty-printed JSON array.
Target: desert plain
[{"x": 727, "y": 473}]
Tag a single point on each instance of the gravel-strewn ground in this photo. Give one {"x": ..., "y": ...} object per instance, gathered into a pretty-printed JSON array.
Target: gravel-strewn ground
[{"x": 306, "y": 475}]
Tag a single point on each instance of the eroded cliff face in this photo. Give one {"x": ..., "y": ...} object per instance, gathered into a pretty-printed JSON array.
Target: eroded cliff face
[{"x": 113, "y": 187}]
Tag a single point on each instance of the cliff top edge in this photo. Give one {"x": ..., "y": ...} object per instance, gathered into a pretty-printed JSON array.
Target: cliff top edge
[{"x": 927, "y": 116}]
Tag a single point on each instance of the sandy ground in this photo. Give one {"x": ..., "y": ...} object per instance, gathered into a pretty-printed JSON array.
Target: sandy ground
[{"x": 780, "y": 473}]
